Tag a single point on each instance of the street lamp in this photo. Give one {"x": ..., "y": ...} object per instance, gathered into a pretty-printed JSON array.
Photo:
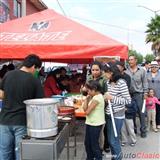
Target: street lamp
[{"x": 154, "y": 11}]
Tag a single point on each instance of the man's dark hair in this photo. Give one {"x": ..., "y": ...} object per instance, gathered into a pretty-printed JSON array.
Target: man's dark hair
[
  {"x": 62, "y": 69},
  {"x": 11, "y": 67},
  {"x": 31, "y": 60},
  {"x": 135, "y": 57},
  {"x": 147, "y": 62}
]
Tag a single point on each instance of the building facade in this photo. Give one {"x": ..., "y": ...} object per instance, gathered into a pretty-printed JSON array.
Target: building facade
[{"x": 12, "y": 9}]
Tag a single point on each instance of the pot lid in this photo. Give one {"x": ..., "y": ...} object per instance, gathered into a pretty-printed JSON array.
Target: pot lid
[{"x": 40, "y": 101}]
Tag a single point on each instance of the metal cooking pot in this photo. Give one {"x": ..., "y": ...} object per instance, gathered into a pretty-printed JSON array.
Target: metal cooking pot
[{"x": 42, "y": 117}]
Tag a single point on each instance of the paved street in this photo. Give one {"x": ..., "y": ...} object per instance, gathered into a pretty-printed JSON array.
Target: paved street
[{"x": 145, "y": 149}]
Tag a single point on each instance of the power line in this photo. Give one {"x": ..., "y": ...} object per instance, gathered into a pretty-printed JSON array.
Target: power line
[
  {"x": 96, "y": 22},
  {"x": 60, "y": 6},
  {"x": 100, "y": 1},
  {"x": 111, "y": 25}
]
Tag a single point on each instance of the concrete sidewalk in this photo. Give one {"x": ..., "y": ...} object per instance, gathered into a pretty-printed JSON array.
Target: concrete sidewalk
[{"x": 146, "y": 148}]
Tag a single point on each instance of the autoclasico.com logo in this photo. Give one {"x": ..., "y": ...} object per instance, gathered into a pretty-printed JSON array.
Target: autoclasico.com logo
[{"x": 137, "y": 155}]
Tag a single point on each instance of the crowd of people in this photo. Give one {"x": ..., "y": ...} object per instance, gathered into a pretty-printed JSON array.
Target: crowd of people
[
  {"x": 114, "y": 99},
  {"x": 5, "y": 68},
  {"x": 126, "y": 90}
]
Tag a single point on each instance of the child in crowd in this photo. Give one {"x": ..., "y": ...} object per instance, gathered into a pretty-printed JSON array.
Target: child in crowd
[
  {"x": 151, "y": 109},
  {"x": 95, "y": 119},
  {"x": 128, "y": 126}
]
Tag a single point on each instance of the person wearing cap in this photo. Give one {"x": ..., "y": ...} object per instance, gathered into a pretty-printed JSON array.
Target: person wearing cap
[
  {"x": 17, "y": 85},
  {"x": 138, "y": 90},
  {"x": 153, "y": 78}
]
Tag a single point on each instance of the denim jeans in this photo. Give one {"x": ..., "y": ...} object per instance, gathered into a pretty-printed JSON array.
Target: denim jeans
[
  {"x": 10, "y": 137},
  {"x": 114, "y": 142},
  {"x": 138, "y": 97},
  {"x": 92, "y": 142}
]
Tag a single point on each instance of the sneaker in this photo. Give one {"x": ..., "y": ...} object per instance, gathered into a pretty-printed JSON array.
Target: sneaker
[
  {"x": 143, "y": 135},
  {"x": 158, "y": 126},
  {"x": 133, "y": 144},
  {"x": 123, "y": 144},
  {"x": 155, "y": 130}
]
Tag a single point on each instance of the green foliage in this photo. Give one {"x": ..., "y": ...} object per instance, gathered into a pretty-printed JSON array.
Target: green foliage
[
  {"x": 139, "y": 56},
  {"x": 153, "y": 33},
  {"x": 149, "y": 57}
]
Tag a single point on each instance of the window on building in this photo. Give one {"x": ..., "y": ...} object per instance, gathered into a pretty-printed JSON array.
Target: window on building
[
  {"x": 17, "y": 8},
  {"x": 4, "y": 11}
]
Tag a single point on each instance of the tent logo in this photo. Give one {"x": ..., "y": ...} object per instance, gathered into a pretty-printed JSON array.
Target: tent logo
[{"x": 38, "y": 26}]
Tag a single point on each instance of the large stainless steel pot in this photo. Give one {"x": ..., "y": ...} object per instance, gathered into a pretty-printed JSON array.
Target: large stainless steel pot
[{"x": 42, "y": 117}]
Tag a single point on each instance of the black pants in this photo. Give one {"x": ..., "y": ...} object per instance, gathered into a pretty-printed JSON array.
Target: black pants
[
  {"x": 138, "y": 97},
  {"x": 92, "y": 142},
  {"x": 157, "y": 114},
  {"x": 106, "y": 143}
]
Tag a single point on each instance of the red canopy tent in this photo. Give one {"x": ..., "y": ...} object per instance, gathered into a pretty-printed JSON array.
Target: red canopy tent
[{"x": 55, "y": 38}]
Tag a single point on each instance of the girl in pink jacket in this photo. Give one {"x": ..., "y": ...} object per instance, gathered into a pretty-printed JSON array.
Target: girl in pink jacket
[{"x": 151, "y": 109}]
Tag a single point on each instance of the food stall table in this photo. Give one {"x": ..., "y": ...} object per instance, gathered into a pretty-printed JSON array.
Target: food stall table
[{"x": 79, "y": 112}]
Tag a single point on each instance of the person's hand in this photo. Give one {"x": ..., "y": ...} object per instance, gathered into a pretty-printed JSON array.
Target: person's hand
[
  {"x": 108, "y": 96},
  {"x": 83, "y": 90},
  {"x": 145, "y": 96},
  {"x": 64, "y": 93},
  {"x": 88, "y": 97}
]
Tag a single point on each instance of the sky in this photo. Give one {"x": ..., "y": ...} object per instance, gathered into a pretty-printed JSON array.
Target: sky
[{"x": 122, "y": 20}]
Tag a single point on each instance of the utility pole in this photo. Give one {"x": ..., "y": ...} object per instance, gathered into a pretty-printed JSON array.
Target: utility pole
[{"x": 154, "y": 11}]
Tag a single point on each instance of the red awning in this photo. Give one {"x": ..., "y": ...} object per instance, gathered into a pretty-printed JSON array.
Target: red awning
[{"x": 55, "y": 38}]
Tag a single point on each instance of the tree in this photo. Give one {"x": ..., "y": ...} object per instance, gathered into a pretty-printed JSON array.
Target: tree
[
  {"x": 137, "y": 55},
  {"x": 153, "y": 34},
  {"x": 149, "y": 57}
]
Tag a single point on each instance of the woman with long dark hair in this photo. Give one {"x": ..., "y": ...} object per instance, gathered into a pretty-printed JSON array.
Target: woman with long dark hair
[
  {"x": 97, "y": 75},
  {"x": 119, "y": 96}
]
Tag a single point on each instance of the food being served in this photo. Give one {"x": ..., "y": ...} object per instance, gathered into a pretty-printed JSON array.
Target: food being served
[{"x": 64, "y": 110}]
